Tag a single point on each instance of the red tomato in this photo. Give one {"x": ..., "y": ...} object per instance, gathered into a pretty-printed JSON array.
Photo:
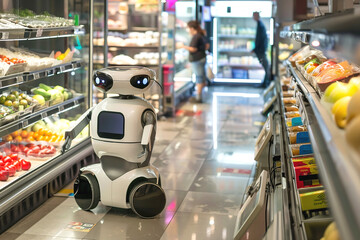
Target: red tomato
[
  {"x": 25, "y": 165},
  {"x": 11, "y": 170},
  {"x": 7, "y": 159},
  {"x": 2, "y": 163},
  {"x": 35, "y": 149},
  {"x": 17, "y": 166},
  {"x": 14, "y": 156},
  {"x": 4, "y": 174}
]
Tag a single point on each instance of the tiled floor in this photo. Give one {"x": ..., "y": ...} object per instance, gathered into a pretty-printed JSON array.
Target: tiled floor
[{"x": 205, "y": 158}]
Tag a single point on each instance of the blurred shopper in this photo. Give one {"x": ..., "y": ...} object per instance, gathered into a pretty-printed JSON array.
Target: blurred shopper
[
  {"x": 261, "y": 43},
  {"x": 197, "y": 57}
]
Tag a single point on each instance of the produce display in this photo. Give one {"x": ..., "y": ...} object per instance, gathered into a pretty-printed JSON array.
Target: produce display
[
  {"x": 10, "y": 164},
  {"x": 27, "y": 18},
  {"x": 16, "y": 60},
  {"x": 16, "y": 100},
  {"x": 140, "y": 58},
  {"x": 53, "y": 95}
]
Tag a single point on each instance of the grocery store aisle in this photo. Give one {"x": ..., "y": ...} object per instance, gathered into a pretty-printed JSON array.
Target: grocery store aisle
[{"x": 205, "y": 158}]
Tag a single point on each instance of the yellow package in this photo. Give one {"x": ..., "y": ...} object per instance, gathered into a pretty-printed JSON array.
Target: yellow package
[{"x": 313, "y": 200}]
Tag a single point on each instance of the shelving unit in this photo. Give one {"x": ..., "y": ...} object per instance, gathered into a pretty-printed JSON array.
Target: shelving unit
[{"x": 23, "y": 192}]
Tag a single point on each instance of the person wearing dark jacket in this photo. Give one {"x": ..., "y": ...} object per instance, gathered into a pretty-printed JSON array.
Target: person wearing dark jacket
[{"x": 261, "y": 43}]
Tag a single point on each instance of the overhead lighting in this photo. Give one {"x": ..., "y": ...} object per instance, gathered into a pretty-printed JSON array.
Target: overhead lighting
[{"x": 315, "y": 43}]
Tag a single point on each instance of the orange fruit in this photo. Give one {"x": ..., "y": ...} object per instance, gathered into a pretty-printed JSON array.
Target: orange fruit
[
  {"x": 40, "y": 138},
  {"x": 35, "y": 135},
  {"x": 40, "y": 131},
  {"x": 16, "y": 133},
  {"x": 46, "y": 138},
  {"x": 30, "y": 133},
  {"x": 31, "y": 138},
  {"x": 8, "y": 138},
  {"x": 49, "y": 133},
  {"x": 18, "y": 138},
  {"x": 24, "y": 133}
]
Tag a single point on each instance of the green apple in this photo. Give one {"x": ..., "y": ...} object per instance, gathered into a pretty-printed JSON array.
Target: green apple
[
  {"x": 329, "y": 90},
  {"x": 340, "y": 111},
  {"x": 356, "y": 81},
  {"x": 342, "y": 90}
]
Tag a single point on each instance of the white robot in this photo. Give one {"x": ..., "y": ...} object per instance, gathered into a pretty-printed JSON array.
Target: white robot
[{"x": 122, "y": 131}]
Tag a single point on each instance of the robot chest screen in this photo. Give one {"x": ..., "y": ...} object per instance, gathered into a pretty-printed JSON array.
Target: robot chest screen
[{"x": 111, "y": 125}]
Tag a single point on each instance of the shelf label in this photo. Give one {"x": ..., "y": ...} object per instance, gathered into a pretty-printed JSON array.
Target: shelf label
[
  {"x": 61, "y": 108},
  {"x": 43, "y": 115},
  {"x": 5, "y": 35},
  {"x": 76, "y": 102},
  {"x": 306, "y": 149},
  {"x": 25, "y": 123},
  {"x": 19, "y": 79},
  {"x": 39, "y": 32},
  {"x": 36, "y": 76},
  {"x": 302, "y": 137},
  {"x": 62, "y": 68}
]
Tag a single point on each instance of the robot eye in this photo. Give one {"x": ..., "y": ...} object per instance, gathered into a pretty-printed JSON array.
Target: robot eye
[
  {"x": 140, "y": 81},
  {"x": 103, "y": 81}
]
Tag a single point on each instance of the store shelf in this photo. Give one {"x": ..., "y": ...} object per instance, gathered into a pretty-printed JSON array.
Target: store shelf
[
  {"x": 339, "y": 165},
  {"x": 235, "y": 50},
  {"x": 333, "y": 34},
  {"x": 144, "y": 65},
  {"x": 39, "y": 115},
  {"x": 118, "y": 29},
  {"x": 40, "y": 33},
  {"x": 19, "y": 78},
  {"x": 131, "y": 47},
  {"x": 240, "y": 36},
  {"x": 241, "y": 66}
]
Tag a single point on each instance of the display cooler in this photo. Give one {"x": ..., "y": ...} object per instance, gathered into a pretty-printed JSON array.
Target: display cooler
[
  {"x": 131, "y": 33},
  {"x": 312, "y": 156},
  {"x": 234, "y": 38},
  {"x": 45, "y": 69}
]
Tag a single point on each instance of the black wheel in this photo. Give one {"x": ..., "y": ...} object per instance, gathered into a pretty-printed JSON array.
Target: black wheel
[
  {"x": 87, "y": 191},
  {"x": 147, "y": 199},
  {"x": 159, "y": 183}
]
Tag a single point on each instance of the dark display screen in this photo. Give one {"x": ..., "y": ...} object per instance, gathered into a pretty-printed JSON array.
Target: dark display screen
[{"x": 111, "y": 125}]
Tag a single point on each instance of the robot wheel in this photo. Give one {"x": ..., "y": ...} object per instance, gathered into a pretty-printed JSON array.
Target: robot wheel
[
  {"x": 147, "y": 199},
  {"x": 86, "y": 191}
]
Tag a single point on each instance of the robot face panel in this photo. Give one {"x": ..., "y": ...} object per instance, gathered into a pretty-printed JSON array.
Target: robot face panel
[
  {"x": 111, "y": 125},
  {"x": 103, "y": 81},
  {"x": 140, "y": 81},
  {"x": 125, "y": 80}
]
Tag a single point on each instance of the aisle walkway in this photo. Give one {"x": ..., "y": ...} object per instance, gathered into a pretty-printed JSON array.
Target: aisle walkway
[{"x": 205, "y": 158}]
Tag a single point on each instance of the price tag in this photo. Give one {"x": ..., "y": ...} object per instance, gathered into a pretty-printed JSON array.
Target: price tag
[
  {"x": 62, "y": 68},
  {"x": 19, "y": 79},
  {"x": 61, "y": 108},
  {"x": 5, "y": 35},
  {"x": 25, "y": 123},
  {"x": 36, "y": 76},
  {"x": 76, "y": 102},
  {"x": 39, "y": 32},
  {"x": 43, "y": 115}
]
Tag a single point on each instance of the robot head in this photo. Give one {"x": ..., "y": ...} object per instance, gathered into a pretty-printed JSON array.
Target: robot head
[{"x": 124, "y": 80}]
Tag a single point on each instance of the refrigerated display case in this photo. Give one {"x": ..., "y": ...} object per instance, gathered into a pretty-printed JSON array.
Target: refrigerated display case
[
  {"x": 134, "y": 37},
  {"x": 314, "y": 155},
  {"x": 234, "y": 38},
  {"x": 45, "y": 69},
  {"x": 184, "y": 82}
]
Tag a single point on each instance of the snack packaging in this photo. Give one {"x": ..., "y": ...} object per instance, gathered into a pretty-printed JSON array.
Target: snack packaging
[
  {"x": 301, "y": 149},
  {"x": 303, "y": 161},
  {"x": 292, "y": 108},
  {"x": 307, "y": 176},
  {"x": 313, "y": 200},
  {"x": 299, "y": 137},
  {"x": 292, "y": 114},
  {"x": 297, "y": 129}
]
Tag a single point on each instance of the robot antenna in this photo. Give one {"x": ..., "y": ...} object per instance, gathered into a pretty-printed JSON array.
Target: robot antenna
[{"x": 162, "y": 90}]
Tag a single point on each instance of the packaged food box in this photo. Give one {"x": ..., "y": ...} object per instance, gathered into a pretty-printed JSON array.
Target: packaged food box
[
  {"x": 303, "y": 161},
  {"x": 297, "y": 129},
  {"x": 289, "y": 101},
  {"x": 287, "y": 94},
  {"x": 301, "y": 149},
  {"x": 291, "y": 108},
  {"x": 299, "y": 137},
  {"x": 292, "y": 114},
  {"x": 307, "y": 176},
  {"x": 313, "y": 200},
  {"x": 295, "y": 121}
]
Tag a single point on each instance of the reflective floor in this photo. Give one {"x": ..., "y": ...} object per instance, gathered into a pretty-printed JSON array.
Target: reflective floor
[{"x": 205, "y": 158}]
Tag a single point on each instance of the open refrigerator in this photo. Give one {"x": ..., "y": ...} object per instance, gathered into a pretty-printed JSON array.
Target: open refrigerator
[
  {"x": 45, "y": 86},
  {"x": 234, "y": 38}
]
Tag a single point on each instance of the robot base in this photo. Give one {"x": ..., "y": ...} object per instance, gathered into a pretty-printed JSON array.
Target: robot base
[{"x": 146, "y": 199}]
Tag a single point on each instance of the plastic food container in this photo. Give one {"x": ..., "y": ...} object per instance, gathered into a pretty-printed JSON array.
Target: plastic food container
[
  {"x": 292, "y": 114},
  {"x": 299, "y": 137},
  {"x": 301, "y": 149}
]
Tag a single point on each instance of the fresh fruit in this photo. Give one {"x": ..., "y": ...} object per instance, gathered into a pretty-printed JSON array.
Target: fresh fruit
[
  {"x": 45, "y": 87},
  {"x": 356, "y": 81},
  {"x": 42, "y": 92},
  {"x": 11, "y": 169},
  {"x": 25, "y": 165},
  {"x": 61, "y": 57},
  {"x": 16, "y": 93},
  {"x": 16, "y": 133},
  {"x": 57, "y": 54},
  {"x": 59, "y": 88},
  {"x": 354, "y": 106},
  {"x": 338, "y": 91},
  {"x": 11, "y": 97},
  {"x": 8, "y": 103},
  {"x": 24, "y": 134},
  {"x": 40, "y": 99},
  {"x": 339, "y": 110},
  {"x": 23, "y": 102},
  {"x": 8, "y": 138},
  {"x": 4, "y": 174},
  {"x": 18, "y": 138},
  {"x": 2, "y": 99},
  {"x": 352, "y": 133}
]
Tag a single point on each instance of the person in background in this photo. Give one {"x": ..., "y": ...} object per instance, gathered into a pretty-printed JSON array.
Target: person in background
[
  {"x": 197, "y": 57},
  {"x": 261, "y": 43}
]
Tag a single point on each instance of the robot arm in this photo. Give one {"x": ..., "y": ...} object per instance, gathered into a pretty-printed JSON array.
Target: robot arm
[
  {"x": 148, "y": 136},
  {"x": 80, "y": 124}
]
